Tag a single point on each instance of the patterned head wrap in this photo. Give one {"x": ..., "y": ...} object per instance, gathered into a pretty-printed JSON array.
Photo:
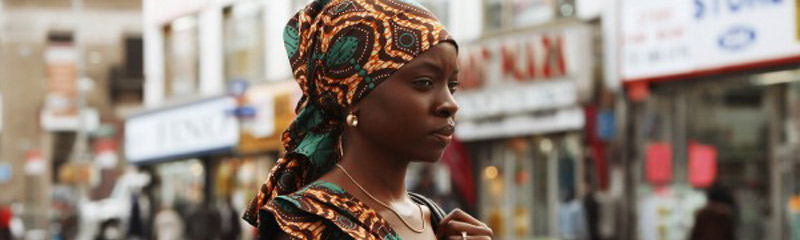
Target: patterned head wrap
[{"x": 339, "y": 51}]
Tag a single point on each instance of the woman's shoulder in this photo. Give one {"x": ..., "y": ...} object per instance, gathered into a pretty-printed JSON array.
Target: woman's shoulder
[
  {"x": 302, "y": 214},
  {"x": 310, "y": 199},
  {"x": 312, "y": 195},
  {"x": 322, "y": 208}
]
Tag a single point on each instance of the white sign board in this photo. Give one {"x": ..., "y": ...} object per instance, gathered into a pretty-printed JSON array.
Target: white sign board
[
  {"x": 662, "y": 38},
  {"x": 521, "y": 125},
  {"x": 262, "y": 98},
  {"x": 517, "y": 98},
  {"x": 53, "y": 122},
  {"x": 524, "y": 83},
  {"x": 183, "y": 131}
]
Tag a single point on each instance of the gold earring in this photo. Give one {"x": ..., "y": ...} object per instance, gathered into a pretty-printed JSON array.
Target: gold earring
[{"x": 352, "y": 120}]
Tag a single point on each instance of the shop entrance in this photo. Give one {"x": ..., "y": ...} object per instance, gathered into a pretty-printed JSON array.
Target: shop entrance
[
  {"x": 733, "y": 121},
  {"x": 525, "y": 182},
  {"x": 694, "y": 135}
]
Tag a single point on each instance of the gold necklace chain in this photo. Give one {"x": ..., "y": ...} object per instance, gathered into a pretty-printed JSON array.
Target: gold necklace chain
[{"x": 422, "y": 214}]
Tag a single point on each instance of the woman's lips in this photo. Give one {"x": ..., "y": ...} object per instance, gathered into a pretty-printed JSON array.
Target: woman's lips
[
  {"x": 444, "y": 135},
  {"x": 442, "y": 139}
]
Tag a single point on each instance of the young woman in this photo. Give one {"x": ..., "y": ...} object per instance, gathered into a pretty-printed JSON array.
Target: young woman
[{"x": 378, "y": 78}]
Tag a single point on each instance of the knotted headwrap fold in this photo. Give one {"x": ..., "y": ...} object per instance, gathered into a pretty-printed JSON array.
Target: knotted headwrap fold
[{"x": 339, "y": 51}]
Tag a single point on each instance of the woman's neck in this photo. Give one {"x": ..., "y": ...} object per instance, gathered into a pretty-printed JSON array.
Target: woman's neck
[{"x": 383, "y": 176}]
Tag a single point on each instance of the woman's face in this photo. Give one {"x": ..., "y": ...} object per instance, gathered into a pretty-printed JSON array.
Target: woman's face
[{"x": 412, "y": 113}]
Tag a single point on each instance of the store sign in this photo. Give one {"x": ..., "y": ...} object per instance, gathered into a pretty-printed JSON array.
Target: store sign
[
  {"x": 658, "y": 164},
  {"x": 661, "y": 38},
  {"x": 274, "y": 104},
  {"x": 60, "y": 111},
  {"x": 62, "y": 80},
  {"x": 34, "y": 163},
  {"x": 506, "y": 80},
  {"x": 52, "y": 121},
  {"x": 522, "y": 124},
  {"x": 702, "y": 165},
  {"x": 183, "y": 131},
  {"x": 527, "y": 58},
  {"x": 516, "y": 99}
]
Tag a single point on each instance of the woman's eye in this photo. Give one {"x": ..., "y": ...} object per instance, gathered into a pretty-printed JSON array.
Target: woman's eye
[
  {"x": 423, "y": 84},
  {"x": 453, "y": 85}
]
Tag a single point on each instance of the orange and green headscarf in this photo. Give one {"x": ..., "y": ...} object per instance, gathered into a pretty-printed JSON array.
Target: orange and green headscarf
[{"x": 339, "y": 51}]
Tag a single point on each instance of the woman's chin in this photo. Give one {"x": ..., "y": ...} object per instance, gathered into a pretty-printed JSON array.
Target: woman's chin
[{"x": 430, "y": 158}]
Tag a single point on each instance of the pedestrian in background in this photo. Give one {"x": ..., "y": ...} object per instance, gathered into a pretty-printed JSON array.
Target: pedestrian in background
[
  {"x": 168, "y": 224},
  {"x": 203, "y": 222},
  {"x": 230, "y": 227},
  {"x": 5, "y": 222},
  {"x": 717, "y": 220}
]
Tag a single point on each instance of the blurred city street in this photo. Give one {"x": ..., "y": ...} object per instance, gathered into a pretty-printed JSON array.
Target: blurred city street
[{"x": 577, "y": 120}]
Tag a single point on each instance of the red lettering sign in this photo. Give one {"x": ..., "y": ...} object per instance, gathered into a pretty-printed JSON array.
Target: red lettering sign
[{"x": 531, "y": 59}]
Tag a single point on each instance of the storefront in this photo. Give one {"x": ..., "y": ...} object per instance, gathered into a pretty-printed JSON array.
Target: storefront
[
  {"x": 522, "y": 120},
  {"x": 239, "y": 175},
  {"x": 183, "y": 144},
  {"x": 711, "y": 96}
]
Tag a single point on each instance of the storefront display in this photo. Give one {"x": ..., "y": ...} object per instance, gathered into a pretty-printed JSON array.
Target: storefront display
[
  {"x": 524, "y": 181},
  {"x": 181, "y": 183},
  {"x": 183, "y": 145}
]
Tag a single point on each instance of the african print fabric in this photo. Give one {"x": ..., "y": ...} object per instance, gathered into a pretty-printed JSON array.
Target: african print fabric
[
  {"x": 339, "y": 51},
  {"x": 323, "y": 210}
]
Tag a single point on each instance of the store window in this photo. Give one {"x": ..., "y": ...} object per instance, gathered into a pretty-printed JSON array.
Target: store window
[
  {"x": 791, "y": 177},
  {"x": 692, "y": 136},
  {"x": 236, "y": 178},
  {"x": 524, "y": 181},
  {"x": 181, "y": 57},
  {"x": 244, "y": 42},
  {"x": 180, "y": 183},
  {"x": 732, "y": 122},
  {"x": 440, "y": 9},
  {"x": 511, "y": 14}
]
